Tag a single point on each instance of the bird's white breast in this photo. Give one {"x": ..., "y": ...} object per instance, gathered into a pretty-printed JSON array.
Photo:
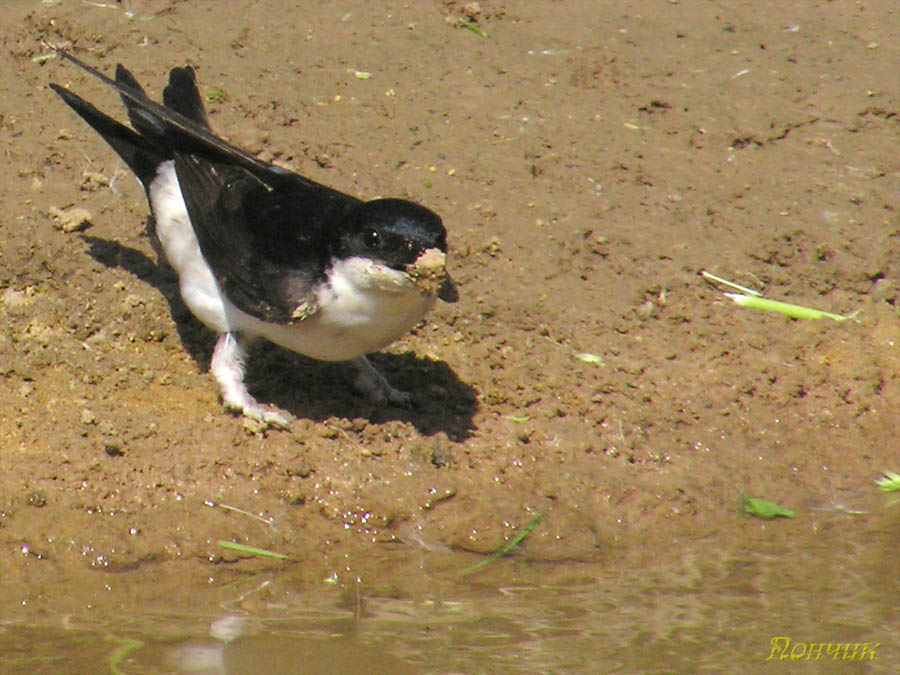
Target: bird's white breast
[{"x": 362, "y": 307}]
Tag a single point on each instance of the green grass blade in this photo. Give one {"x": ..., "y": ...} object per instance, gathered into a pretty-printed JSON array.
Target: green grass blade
[
  {"x": 786, "y": 308},
  {"x": 252, "y": 550},
  {"x": 120, "y": 653},
  {"x": 890, "y": 482},
  {"x": 472, "y": 26},
  {"x": 515, "y": 541},
  {"x": 216, "y": 95},
  {"x": 763, "y": 509}
]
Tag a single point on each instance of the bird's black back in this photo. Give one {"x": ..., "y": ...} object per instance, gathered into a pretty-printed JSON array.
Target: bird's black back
[{"x": 265, "y": 232}]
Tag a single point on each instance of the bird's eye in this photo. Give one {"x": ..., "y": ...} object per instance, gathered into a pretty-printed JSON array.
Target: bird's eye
[{"x": 372, "y": 239}]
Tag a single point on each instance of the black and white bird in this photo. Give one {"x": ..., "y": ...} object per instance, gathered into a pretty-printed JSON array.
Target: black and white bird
[{"x": 264, "y": 252}]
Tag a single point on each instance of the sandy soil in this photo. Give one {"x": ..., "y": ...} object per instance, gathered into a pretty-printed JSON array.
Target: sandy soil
[{"x": 589, "y": 160}]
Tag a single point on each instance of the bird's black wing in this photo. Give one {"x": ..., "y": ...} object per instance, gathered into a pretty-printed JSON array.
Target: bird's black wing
[
  {"x": 263, "y": 230},
  {"x": 267, "y": 247},
  {"x": 140, "y": 154},
  {"x": 182, "y": 96},
  {"x": 151, "y": 118},
  {"x": 183, "y": 124}
]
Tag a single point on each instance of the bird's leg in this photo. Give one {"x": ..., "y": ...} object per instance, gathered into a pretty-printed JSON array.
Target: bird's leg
[
  {"x": 372, "y": 383},
  {"x": 227, "y": 367}
]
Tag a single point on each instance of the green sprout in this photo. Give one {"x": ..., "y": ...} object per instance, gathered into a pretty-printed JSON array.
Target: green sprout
[
  {"x": 252, "y": 550},
  {"x": 747, "y": 297},
  {"x": 472, "y": 26},
  {"x": 518, "y": 539},
  {"x": 786, "y": 308},
  {"x": 889, "y": 482},
  {"x": 215, "y": 95},
  {"x": 120, "y": 653},
  {"x": 763, "y": 509}
]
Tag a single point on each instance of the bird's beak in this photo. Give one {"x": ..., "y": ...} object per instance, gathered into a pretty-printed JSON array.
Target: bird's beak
[{"x": 448, "y": 291}]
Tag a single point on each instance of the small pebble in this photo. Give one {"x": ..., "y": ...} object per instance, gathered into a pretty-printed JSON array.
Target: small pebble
[
  {"x": 73, "y": 219},
  {"x": 36, "y": 499}
]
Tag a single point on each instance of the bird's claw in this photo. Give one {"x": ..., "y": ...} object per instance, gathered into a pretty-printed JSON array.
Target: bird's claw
[
  {"x": 371, "y": 383},
  {"x": 265, "y": 415}
]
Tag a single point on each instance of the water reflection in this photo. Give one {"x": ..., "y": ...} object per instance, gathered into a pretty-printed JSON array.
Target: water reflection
[{"x": 714, "y": 603}]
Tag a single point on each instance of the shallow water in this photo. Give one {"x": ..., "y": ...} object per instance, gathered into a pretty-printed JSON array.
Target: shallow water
[{"x": 714, "y": 605}]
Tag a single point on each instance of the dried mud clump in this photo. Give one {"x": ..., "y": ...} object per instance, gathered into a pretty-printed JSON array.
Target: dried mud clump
[{"x": 429, "y": 271}]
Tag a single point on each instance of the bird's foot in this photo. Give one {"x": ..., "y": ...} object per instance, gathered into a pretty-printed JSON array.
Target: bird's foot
[
  {"x": 372, "y": 384},
  {"x": 228, "y": 368},
  {"x": 266, "y": 415}
]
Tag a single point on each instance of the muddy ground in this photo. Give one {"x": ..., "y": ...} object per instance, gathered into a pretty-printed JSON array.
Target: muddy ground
[{"x": 589, "y": 160}]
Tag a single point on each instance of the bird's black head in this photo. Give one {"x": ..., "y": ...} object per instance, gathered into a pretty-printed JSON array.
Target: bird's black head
[{"x": 394, "y": 232}]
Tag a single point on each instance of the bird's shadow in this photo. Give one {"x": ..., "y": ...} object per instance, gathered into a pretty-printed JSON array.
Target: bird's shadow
[{"x": 304, "y": 387}]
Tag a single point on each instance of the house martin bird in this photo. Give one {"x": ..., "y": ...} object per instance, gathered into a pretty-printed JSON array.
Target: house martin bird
[{"x": 264, "y": 252}]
